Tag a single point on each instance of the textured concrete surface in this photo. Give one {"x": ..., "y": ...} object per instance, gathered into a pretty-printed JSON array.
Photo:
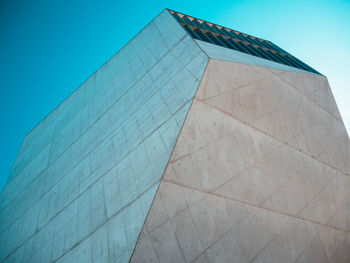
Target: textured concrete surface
[
  {"x": 260, "y": 173},
  {"x": 85, "y": 177},
  {"x": 260, "y": 170}
]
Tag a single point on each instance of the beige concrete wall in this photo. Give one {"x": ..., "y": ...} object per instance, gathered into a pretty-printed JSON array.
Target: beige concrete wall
[{"x": 260, "y": 173}]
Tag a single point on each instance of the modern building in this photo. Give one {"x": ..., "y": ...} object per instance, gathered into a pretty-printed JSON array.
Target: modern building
[{"x": 194, "y": 143}]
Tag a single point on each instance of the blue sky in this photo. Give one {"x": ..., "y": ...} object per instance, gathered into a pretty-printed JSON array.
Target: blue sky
[{"x": 48, "y": 48}]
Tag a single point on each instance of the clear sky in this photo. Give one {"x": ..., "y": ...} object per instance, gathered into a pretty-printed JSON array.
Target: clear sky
[{"x": 48, "y": 48}]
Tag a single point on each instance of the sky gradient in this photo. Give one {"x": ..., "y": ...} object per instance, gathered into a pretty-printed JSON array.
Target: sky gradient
[{"x": 49, "y": 48}]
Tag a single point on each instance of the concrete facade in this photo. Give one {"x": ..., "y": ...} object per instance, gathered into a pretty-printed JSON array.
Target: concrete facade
[
  {"x": 178, "y": 150},
  {"x": 248, "y": 180},
  {"x": 85, "y": 177}
]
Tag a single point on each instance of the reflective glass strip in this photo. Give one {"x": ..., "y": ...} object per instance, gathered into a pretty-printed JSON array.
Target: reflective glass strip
[
  {"x": 238, "y": 46},
  {"x": 191, "y": 32},
  {"x": 215, "y": 39},
  {"x": 203, "y": 36},
  {"x": 178, "y": 18},
  {"x": 197, "y": 23},
  {"x": 188, "y": 21},
  {"x": 227, "y": 43}
]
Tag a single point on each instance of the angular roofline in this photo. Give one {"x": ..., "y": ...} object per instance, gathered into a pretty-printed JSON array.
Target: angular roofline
[
  {"x": 239, "y": 32},
  {"x": 235, "y": 40}
]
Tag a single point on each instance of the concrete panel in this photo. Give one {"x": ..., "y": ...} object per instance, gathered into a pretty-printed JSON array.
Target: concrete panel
[
  {"x": 85, "y": 177},
  {"x": 257, "y": 174}
]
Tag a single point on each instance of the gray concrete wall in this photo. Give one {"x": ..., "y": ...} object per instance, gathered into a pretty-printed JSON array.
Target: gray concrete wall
[
  {"x": 85, "y": 177},
  {"x": 260, "y": 173}
]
